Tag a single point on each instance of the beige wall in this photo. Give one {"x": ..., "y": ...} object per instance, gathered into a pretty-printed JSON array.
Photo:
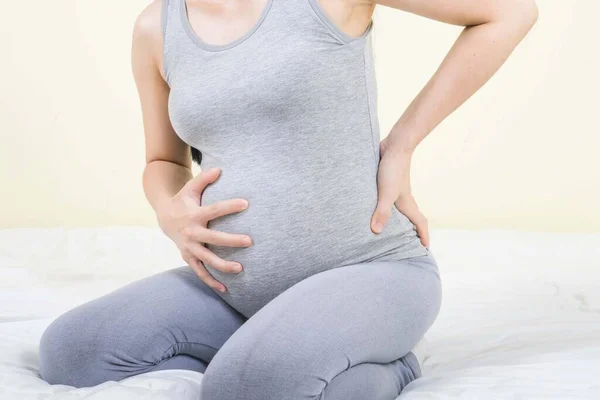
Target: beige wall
[{"x": 522, "y": 153}]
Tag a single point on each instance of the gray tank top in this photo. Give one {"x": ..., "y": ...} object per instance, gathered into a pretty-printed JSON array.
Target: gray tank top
[{"x": 288, "y": 112}]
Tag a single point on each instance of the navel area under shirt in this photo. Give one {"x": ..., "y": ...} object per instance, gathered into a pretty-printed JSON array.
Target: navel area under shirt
[{"x": 288, "y": 111}]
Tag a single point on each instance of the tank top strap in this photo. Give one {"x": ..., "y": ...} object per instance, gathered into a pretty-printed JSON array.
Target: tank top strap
[
  {"x": 170, "y": 19},
  {"x": 173, "y": 34}
]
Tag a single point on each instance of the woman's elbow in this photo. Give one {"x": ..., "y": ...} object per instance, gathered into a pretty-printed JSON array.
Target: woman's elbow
[
  {"x": 529, "y": 12},
  {"x": 521, "y": 15}
]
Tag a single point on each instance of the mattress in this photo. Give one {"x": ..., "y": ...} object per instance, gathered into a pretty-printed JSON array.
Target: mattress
[{"x": 520, "y": 315}]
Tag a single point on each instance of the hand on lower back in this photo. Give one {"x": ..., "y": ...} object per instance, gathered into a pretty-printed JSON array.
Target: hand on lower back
[
  {"x": 185, "y": 221},
  {"x": 393, "y": 188}
]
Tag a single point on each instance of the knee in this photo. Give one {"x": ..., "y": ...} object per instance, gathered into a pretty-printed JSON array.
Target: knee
[
  {"x": 67, "y": 353},
  {"x": 257, "y": 370},
  {"x": 58, "y": 351},
  {"x": 228, "y": 377}
]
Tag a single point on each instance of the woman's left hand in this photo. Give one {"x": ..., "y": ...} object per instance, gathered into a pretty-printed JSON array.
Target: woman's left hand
[{"x": 393, "y": 187}]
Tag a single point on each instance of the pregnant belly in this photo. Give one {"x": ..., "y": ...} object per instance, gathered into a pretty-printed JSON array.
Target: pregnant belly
[{"x": 301, "y": 224}]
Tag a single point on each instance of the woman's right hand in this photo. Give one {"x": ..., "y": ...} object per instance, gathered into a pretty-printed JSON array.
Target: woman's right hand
[{"x": 185, "y": 221}]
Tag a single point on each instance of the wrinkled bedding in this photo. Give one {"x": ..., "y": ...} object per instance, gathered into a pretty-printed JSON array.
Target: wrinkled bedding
[{"x": 520, "y": 317}]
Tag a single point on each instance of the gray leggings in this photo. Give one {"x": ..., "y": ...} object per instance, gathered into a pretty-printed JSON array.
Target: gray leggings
[{"x": 346, "y": 333}]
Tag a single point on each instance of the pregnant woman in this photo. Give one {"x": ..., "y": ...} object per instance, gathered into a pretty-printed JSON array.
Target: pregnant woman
[{"x": 309, "y": 274}]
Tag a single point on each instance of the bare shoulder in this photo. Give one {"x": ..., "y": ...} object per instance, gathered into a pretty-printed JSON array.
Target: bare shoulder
[
  {"x": 351, "y": 16},
  {"x": 146, "y": 46},
  {"x": 148, "y": 24}
]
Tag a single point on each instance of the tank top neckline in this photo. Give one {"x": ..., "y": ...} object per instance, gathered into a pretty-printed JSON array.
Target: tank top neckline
[{"x": 189, "y": 30}]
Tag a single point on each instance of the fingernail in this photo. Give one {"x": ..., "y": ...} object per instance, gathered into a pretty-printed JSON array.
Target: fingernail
[
  {"x": 237, "y": 267},
  {"x": 222, "y": 289},
  {"x": 248, "y": 240}
]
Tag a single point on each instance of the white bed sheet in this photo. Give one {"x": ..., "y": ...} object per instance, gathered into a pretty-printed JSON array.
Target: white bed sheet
[{"x": 520, "y": 316}]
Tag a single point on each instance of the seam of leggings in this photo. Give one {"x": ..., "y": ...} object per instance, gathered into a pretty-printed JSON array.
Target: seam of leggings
[{"x": 162, "y": 357}]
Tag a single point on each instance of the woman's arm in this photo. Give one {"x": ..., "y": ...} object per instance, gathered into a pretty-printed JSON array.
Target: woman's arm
[
  {"x": 168, "y": 159},
  {"x": 493, "y": 28}
]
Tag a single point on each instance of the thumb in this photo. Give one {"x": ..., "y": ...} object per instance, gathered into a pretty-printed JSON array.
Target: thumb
[
  {"x": 197, "y": 184},
  {"x": 382, "y": 213}
]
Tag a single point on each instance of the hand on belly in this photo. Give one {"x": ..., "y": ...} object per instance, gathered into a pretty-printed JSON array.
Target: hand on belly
[{"x": 185, "y": 222}]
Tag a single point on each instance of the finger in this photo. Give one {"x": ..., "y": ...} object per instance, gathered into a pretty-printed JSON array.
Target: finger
[
  {"x": 203, "y": 274},
  {"x": 202, "y": 253},
  {"x": 380, "y": 218},
  {"x": 199, "y": 234},
  {"x": 407, "y": 205},
  {"x": 222, "y": 207},
  {"x": 196, "y": 185},
  {"x": 423, "y": 229},
  {"x": 382, "y": 214}
]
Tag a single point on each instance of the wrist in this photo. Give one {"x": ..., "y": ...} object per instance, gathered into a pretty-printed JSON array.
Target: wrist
[
  {"x": 403, "y": 139},
  {"x": 400, "y": 148}
]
